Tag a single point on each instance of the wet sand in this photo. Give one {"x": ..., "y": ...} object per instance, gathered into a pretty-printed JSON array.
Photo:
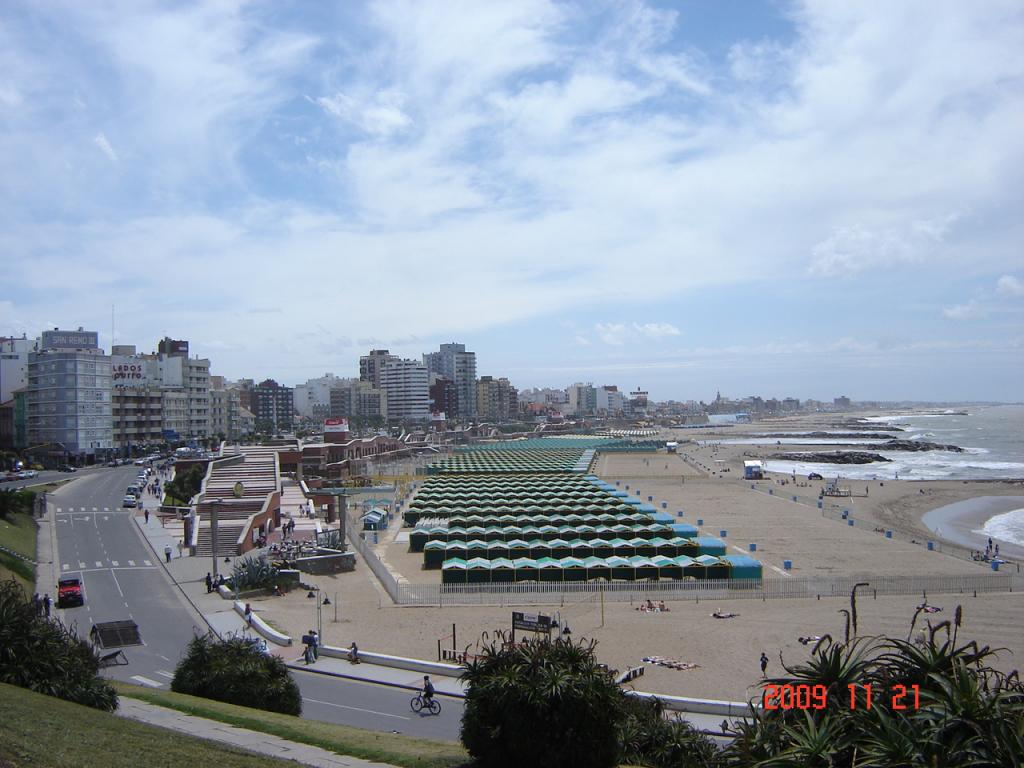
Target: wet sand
[{"x": 961, "y": 520}]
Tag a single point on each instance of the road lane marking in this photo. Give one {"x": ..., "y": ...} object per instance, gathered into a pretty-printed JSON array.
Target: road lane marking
[
  {"x": 106, "y": 517},
  {"x": 118, "y": 583},
  {"x": 64, "y": 566},
  {"x": 357, "y": 709},
  {"x": 147, "y": 681},
  {"x": 165, "y": 673},
  {"x": 58, "y": 510}
]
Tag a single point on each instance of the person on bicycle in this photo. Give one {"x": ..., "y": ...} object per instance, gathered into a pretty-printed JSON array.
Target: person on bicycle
[{"x": 428, "y": 690}]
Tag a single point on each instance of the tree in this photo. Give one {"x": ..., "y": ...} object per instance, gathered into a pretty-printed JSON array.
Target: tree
[
  {"x": 543, "y": 704},
  {"x": 13, "y": 502},
  {"x": 238, "y": 672},
  {"x": 43, "y": 655}
]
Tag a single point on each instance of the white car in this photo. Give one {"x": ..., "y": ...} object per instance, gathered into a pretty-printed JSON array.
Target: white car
[
  {"x": 129, "y": 501},
  {"x": 27, "y": 474}
]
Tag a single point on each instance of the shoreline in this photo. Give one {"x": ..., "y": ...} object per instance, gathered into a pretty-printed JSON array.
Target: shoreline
[{"x": 957, "y": 522}]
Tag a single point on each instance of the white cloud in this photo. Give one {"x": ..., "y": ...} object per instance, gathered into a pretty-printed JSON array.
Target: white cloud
[
  {"x": 100, "y": 140},
  {"x": 613, "y": 334},
  {"x": 581, "y": 341},
  {"x": 969, "y": 311},
  {"x": 380, "y": 115},
  {"x": 1008, "y": 285},
  {"x": 656, "y": 330}
]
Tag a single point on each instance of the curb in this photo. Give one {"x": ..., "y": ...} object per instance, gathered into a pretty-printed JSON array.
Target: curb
[{"x": 303, "y": 668}]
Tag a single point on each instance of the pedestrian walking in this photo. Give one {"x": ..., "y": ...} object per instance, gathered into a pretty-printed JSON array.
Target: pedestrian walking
[
  {"x": 145, "y": 514},
  {"x": 167, "y": 552},
  {"x": 37, "y": 604},
  {"x": 764, "y": 664},
  {"x": 47, "y": 602},
  {"x": 209, "y": 583},
  {"x": 181, "y": 546}
]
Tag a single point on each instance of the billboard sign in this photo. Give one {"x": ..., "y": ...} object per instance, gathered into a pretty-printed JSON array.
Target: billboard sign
[
  {"x": 531, "y": 622},
  {"x": 57, "y": 339},
  {"x": 128, "y": 373},
  {"x": 335, "y": 425}
]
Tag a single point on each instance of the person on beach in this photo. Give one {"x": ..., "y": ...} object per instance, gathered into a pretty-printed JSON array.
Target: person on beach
[
  {"x": 209, "y": 583},
  {"x": 764, "y": 664}
]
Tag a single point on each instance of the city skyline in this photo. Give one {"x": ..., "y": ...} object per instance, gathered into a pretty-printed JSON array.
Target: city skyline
[{"x": 779, "y": 198}]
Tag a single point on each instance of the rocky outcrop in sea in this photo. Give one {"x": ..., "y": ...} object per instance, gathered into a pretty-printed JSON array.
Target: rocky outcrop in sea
[{"x": 832, "y": 457}]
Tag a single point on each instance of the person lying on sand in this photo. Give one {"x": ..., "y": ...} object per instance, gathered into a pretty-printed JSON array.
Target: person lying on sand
[
  {"x": 809, "y": 639},
  {"x": 724, "y": 615}
]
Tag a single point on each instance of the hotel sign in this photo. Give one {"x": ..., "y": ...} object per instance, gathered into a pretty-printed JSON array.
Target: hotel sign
[{"x": 70, "y": 340}]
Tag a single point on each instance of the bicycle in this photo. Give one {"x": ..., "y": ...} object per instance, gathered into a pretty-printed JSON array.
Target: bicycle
[{"x": 418, "y": 703}]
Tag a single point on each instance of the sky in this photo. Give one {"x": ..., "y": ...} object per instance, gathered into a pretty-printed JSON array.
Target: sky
[{"x": 781, "y": 198}]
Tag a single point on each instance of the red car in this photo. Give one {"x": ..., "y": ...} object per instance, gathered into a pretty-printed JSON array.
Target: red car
[{"x": 69, "y": 593}]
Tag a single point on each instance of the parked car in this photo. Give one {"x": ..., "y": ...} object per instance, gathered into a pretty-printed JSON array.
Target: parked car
[
  {"x": 129, "y": 501},
  {"x": 140, "y": 462},
  {"x": 69, "y": 593},
  {"x": 66, "y": 468}
]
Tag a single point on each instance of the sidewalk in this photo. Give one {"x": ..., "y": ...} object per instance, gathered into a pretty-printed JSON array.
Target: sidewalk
[
  {"x": 253, "y": 741},
  {"x": 375, "y": 673}
]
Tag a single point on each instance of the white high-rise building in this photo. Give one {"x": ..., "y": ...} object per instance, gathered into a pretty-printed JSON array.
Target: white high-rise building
[
  {"x": 68, "y": 409},
  {"x": 405, "y": 383},
  {"x": 13, "y": 365},
  {"x": 458, "y": 366},
  {"x": 313, "y": 399}
]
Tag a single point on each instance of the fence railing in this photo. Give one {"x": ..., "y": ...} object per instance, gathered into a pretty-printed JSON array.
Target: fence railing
[{"x": 534, "y": 593}]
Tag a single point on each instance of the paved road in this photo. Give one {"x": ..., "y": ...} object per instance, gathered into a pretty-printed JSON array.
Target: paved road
[{"x": 123, "y": 579}]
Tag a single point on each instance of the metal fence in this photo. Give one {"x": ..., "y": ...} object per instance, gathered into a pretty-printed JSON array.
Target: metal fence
[{"x": 533, "y": 593}]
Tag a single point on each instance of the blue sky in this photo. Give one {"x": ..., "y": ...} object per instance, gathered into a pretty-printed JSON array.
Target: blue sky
[{"x": 788, "y": 199}]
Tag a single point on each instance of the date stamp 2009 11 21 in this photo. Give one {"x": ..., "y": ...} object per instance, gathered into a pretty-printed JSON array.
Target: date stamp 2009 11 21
[{"x": 816, "y": 696}]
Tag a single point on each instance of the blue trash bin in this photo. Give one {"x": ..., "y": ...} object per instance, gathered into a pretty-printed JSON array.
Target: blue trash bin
[
  {"x": 753, "y": 547},
  {"x": 931, "y": 545},
  {"x": 787, "y": 565},
  {"x": 700, "y": 522},
  {"x": 722, "y": 534},
  {"x": 888, "y": 534},
  {"x": 849, "y": 521}
]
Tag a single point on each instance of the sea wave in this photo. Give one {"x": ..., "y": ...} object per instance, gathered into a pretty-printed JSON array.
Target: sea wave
[{"x": 1008, "y": 527}]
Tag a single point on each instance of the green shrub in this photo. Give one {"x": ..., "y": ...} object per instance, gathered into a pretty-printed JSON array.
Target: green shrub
[
  {"x": 236, "y": 671},
  {"x": 542, "y": 704},
  {"x": 965, "y": 713},
  {"x": 45, "y": 656},
  {"x": 253, "y": 573}
]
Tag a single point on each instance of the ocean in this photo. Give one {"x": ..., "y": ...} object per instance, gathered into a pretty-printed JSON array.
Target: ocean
[
  {"x": 992, "y": 438},
  {"x": 993, "y": 441}
]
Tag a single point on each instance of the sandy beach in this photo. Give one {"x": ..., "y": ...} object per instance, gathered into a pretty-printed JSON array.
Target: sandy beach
[{"x": 705, "y": 483}]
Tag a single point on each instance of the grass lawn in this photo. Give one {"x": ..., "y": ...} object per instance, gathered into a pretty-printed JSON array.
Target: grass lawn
[
  {"x": 44, "y": 732},
  {"x": 340, "y": 739},
  {"x": 18, "y": 533}
]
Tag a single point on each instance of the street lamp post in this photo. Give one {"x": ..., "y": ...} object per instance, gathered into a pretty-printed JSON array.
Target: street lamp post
[{"x": 214, "y": 511}]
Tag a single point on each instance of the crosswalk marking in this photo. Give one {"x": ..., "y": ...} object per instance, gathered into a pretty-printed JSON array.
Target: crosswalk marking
[
  {"x": 81, "y": 509},
  {"x": 147, "y": 681},
  {"x": 99, "y": 563},
  {"x": 114, "y": 563},
  {"x": 105, "y": 517},
  {"x": 147, "y": 562},
  {"x": 131, "y": 563},
  {"x": 95, "y": 510},
  {"x": 65, "y": 566},
  {"x": 59, "y": 509},
  {"x": 81, "y": 564},
  {"x": 165, "y": 673},
  {"x": 106, "y": 509}
]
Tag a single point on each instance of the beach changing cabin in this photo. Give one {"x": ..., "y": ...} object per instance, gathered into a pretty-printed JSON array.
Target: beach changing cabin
[{"x": 753, "y": 470}]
